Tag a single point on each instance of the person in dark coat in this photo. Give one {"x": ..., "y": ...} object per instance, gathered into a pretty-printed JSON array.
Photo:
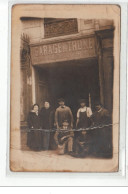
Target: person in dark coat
[
  {"x": 102, "y": 133},
  {"x": 47, "y": 122},
  {"x": 34, "y": 140}
]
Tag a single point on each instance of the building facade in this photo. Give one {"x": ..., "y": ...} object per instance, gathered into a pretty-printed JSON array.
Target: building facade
[{"x": 70, "y": 58}]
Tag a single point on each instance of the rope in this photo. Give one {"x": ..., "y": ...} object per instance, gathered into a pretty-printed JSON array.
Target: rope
[{"x": 68, "y": 130}]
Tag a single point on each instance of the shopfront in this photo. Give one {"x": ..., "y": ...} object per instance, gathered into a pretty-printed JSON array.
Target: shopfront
[{"x": 72, "y": 67}]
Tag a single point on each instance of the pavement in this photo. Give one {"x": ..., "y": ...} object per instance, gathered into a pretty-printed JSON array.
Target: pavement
[{"x": 22, "y": 159}]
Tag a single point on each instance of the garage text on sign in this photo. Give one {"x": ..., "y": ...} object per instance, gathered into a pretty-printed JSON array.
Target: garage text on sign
[{"x": 57, "y": 49}]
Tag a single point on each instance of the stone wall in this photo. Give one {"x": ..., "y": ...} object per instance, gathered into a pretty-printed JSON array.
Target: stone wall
[{"x": 34, "y": 28}]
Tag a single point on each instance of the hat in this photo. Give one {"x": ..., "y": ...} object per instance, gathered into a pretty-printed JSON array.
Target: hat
[
  {"x": 61, "y": 100},
  {"x": 97, "y": 103}
]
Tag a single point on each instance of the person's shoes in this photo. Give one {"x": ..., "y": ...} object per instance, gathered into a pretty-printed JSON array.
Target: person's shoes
[{"x": 73, "y": 154}]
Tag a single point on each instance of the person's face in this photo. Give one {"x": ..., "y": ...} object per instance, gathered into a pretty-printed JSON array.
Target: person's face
[
  {"x": 82, "y": 104},
  {"x": 46, "y": 105},
  {"x": 98, "y": 107},
  {"x": 61, "y": 103},
  {"x": 35, "y": 108},
  {"x": 65, "y": 126}
]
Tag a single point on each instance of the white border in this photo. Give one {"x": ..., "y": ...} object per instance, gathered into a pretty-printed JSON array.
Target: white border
[{"x": 58, "y": 179}]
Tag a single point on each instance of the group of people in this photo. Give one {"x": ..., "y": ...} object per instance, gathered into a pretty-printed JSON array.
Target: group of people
[{"x": 49, "y": 129}]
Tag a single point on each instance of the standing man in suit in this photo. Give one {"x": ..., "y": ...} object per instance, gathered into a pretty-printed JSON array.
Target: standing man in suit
[{"x": 102, "y": 134}]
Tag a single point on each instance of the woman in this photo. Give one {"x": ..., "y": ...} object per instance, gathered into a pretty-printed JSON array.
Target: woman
[
  {"x": 47, "y": 123},
  {"x": 34, "y": 140}
]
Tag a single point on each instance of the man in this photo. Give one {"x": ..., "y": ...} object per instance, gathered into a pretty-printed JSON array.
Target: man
[
  {"x": 83, "y": 115},
  {"x": 63, "y": 113},
  {"x": 82, "y": 137},
  {"x": 102, "y": 134},
  {"x": 101, "y": 116},
  {"x": 64, "y": 139}
]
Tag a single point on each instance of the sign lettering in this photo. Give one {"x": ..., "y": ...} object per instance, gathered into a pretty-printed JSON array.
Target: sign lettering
[{"x": 62, "y": 51}]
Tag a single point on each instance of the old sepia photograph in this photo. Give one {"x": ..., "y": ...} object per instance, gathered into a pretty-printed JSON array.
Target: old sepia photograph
[{"x": 65, "y": 88}]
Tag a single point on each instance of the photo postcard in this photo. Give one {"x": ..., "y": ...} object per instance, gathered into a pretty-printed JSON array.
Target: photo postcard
[{"x": 65, "y": 69}]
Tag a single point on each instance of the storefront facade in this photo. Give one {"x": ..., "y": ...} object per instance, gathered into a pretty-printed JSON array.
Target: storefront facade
[{"x": 59, "y": 56}]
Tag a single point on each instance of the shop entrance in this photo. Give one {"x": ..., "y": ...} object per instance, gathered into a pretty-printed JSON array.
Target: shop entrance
[{"x": 71, "y": 80}]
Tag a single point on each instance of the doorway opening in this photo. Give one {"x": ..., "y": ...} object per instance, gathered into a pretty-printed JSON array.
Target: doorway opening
[{"x": 71, "y": 80}]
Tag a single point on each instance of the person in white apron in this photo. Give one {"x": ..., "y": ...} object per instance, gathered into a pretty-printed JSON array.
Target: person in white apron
[{"x": 82, "y": 137}]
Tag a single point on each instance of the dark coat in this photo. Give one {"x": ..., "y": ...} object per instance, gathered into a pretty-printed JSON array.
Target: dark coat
[
  {"x": 101, "y": 144},
  {"x": 33, "y": 120},
  {"x": 34, "y": 136},
  {"x": 47, "y": 122},
  {"x": 47, "y": 118},
  {"x": 101, "y": 118}
]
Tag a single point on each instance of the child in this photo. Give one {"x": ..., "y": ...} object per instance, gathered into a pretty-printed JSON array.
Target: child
[{"x": 64, "y": 139}]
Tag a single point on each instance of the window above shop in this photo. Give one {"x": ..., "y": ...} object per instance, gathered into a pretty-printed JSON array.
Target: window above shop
[{"x": 59, "y": 27}]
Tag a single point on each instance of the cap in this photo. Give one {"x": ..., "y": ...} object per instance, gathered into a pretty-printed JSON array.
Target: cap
[{"x": 61, "y": 100}]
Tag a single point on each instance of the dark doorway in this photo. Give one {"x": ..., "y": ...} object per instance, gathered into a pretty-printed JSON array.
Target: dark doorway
[{"x": 71, "y": 80}]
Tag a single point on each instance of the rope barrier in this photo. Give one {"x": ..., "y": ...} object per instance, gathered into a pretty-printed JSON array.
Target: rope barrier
[{"x": 69, "y": 130}]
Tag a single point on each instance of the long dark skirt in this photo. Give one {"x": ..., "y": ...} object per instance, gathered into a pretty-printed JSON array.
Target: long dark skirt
[
  {"x": 45, "y": 140},
  {"x": 34, "y": 140},
  {"x": 48, "y": 142},
  {"x": 52, "y": 143}
]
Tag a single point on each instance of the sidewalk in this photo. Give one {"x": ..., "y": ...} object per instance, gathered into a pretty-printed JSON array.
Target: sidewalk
[{"x": 25, "y": 160}]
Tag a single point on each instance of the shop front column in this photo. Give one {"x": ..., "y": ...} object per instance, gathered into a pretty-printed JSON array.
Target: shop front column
[{"x": 106, "y": 66}]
